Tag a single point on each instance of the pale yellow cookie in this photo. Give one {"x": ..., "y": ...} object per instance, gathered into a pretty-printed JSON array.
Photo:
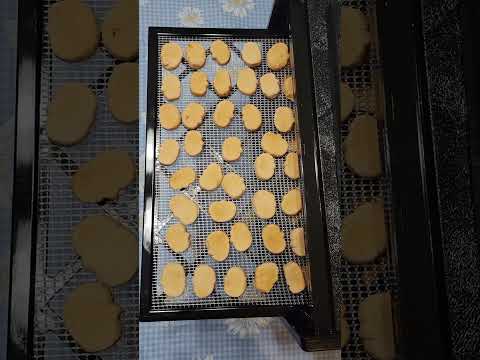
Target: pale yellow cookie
[
  {"x": 195, "y": 55},
  {"x": 232, "y": 148},
  {"x": 222, "y": 84},
  {"x": 247, "y": 81},
  {"x": 277, "y": 56},
  {"x": 297, "y": 241},
  {"x": 222, "y": 211},
  {"x": 274, "y": 144},
  {"x": 291, "y": 166},
  {"x": 235, "y": 282},
  {"x": 294, "y": 277},
  {"x": 171, "y": 87},
  {"x": 192, "y": 115},
  {"x": 168, "y": 152},
  {"x": 270, "y": 85},
  {"x": 292, "y": 202},
  {"x": 234, "y": 185},
  {"x": 122, "y": 92},
  {"x": 289, "y": 88},
  {"x": 266, "y": 275},
  {"x": 251, "y": 54},
  {"x": 284, "y": 119},
  {"x": 252, "y": 117},
  {"x": 211, "y": 177},
  {"x": 273, "y": 239},
  {"x": 240, "y": 236},
  {"x": 220, "y": 52},
  {"x": 177, "y": 238},
  {"x": 169, "y": 116},
  {"x": 218, "y": 245},
  {"x": 223, "y": 113},
  {"x": 204, "y": 280},
  {"x": 182, "y": 178},
  {"x": 193, "y": 142},
  {"x": 354, "y": 36},
  {"x": 264, "y": 204},
  {"x": 171, "y": 55},
  {"x": 184, "y": 209},
  {"x": 173, "y": 279},
  {"x": 198, "y": 83},
  {"x": 347, "y": 101},
  {"x": 264, "y": 166}
]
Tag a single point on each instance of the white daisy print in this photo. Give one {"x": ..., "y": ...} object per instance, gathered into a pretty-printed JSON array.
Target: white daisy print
[
  {"x": 238, "y": 8},
  {"x": 191, "y": 16},
  {"x": 247, "y": 327}
]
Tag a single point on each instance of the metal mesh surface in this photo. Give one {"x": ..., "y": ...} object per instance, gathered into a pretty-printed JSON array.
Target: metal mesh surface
[
  {"x": 58, "y": 268},
  {"x": 214, "y": 137}
]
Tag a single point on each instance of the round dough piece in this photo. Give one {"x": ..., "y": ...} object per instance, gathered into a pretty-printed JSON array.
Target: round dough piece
[
  {"x": 71, "y": 114},
  {"x": 204, "y": 280},
  {"x": 222, "y": 83},
  {"x": 184, "y": 209},
  {"x": 235, "y": 282},
  {"x": 171, "y": 55},
  {"x": 251, "y": 54},
  {"x": 240, "y": 236},
  {"x": 122, "y": 92},
  {"x": 223, "y": 114},
  {"x": 264, "y": 204},
  {"x": 273, "y": 239},
  {"x": 169, "y": 116},
  {"x": 218, "y": 245},
  {"x": 220, "y": 52},
  {"x": 168, "y": 152},
  {"x": 289, "y": 88},
  {"x": 361, "y": 147},
  {"x": 120, "y": 30},
  {"x": 345, "y": 329},
  {"x": 65, "y": 18},
  {"x": 291, "y": 167},
  {"x": 347, "y": 101},
  {"x": 354, "y": 36},
  {"x": 211, "y": 177},
  {"x": 277, "y": 56},
  {"x": 266, "y": 275},
  {"x": 171, "y": 87},
  {"x": 234, "y": 185},
  {"x": 252, "y": 117},
  {"x": 297, "y": 241},
  {"x": 198, "y": 83},
  {"x": 182, "y": 178},
  {"x": 292, "y": 202},
  {"x": 364, "y": 234},
  {"x": 177, "y": 238},
  {"x": 192, "y": 116},
  {"x": 284, "y": 119},
  {"x": 264, "y": 166},
  {"x": 91, "y": 317},
  {"x": 193, "y": 142},
  {"x": 173, "y": 279},
  {"x": 195, "y": 55},
  {"x": 270, "y": 85},
  {"x": 222, "y": 211},
  {"x": 247, "y": 81},
  {"x": 274, "y": 144},
  {"x": 294, "y": 277},
  {"x": 232, "y": 148}
]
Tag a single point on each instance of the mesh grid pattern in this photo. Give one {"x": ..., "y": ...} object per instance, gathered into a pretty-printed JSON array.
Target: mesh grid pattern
[{"x": 213, "y": 137}]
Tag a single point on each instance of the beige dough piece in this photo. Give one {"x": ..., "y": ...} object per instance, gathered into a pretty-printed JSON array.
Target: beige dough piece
[
  {"x": 264, "y": 204},
  {"x": 289, "y": 88},
  {"x": 376, "y": 326},
  {"x": 345, "y": 328},
  {"x": 270, "y": 85},
  {"x": 169, "y": 116},
  {"x": 251, "y": 54},
  {"x": 211, "y": 177},
  {"x": 192, "y": 116},
  {"x": 354, "y": 36},
  {"x": 266, "y": 275},
  {"x": 103, "y": 177},
  {"x": 240, "y": 236},
  {"x": 292, "y": 202},
  {"x": 274, "y": 144},
  {"x": 171, "y": 87},
  {"x": 235, "y": 282},
  {"x": 193, "y": 142},
  {"x": 223, "y": 114},
  {"x": 218, "y": 245},
  {"x": 168, "y": 152},
  {"x": 222, "y": 211},
  {"x": 284, "y": 119},
  {"x": 232, "y": 148},
  {"x": 252, "y": 117},
  {"x": 184, "y": 209},
  {"x": 220, "y": 52},
  {"x": 222, "y": 83},
  {"x": 361, "y": 147},
  {"x": 277, "y": 56},
  {"x": 297, "y": 241},
  {"x": 182, "y": 178},
  {"x": 204, "y": 280},
  {"x": 107, "y": 248},
  {"x": 247, "y": 81},
  {"x": 120, "y": 30},
  {"x": 234, "y": 185},
  {"x": 364, "y": 235},
  {"x": 273, "y": 239},
  {"x": 291, "y": 167},
  {"x": 122, "y": 92},
  {"x": 294, "y": 277},
  {"x": 91, "y": 317},
  {"x": 171, "y": 55},
  {"x": 198, "y": 83},
  {"x": 65, "y": 18},
  {"x": 195, "y": 55},
  {"x": 71, "y": 114},
  {"x": 264, "y": 166},
  {"x": 177, "y": 238},
  {"x": 173, "y": 279},
  {"x": 347, "y": 101}
]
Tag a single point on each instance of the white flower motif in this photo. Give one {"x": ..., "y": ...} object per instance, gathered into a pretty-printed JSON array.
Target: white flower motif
[
  {"x": 247, "y": 327},
  {"x": 191, "y": 16},
  {"x": 238, "y": 8}
]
